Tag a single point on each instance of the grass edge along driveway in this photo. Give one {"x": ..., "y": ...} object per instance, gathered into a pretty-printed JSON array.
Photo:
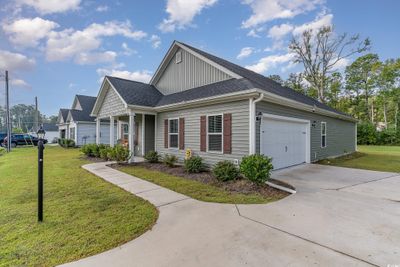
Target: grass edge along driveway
[
  {"x": 375, "y": 158},
  {"x": 83, "y": 214},
  {"x": 195, "y": 189}
]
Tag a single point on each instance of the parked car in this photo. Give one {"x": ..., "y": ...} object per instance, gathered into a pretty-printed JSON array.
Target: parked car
[{"x": 22, "y": 139}]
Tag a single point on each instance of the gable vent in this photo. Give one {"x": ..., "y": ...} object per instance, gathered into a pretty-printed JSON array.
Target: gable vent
[{"x": 178, "y": 57}]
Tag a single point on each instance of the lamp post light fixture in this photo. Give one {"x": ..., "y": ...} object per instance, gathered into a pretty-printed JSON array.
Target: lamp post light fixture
[{"x": 40, "y": 133}]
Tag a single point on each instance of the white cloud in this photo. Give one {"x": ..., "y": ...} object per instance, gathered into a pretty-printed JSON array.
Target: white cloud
[
  {"x": 95, "y": 58},
  {"x": 20, "y": 83},
  {"x": 155, "y": 41},
  {"x": 320, "y": 21},
  {"x": 102, "y": 8},
  {"x": 28, "y": 32},
  {"x": 127, "y": 50},
  {"x": 182, "y": 12},
  {"x": 140, "y": 76},
  {"x": 51, "y": 6},
  {"x": 15, "y": 61},
  {"x": 267, "y": 10},
  {"x": 269, "y": 62},
  {"x": 245, "y": 52},
  {"x": 279, "y": 31},
  {"x": 75, "y": 44}
]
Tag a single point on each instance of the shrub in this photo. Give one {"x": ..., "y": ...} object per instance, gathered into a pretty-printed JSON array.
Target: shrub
[
  {"x": 152, "y": 156},
  {"x": 225, "y": 171},
  {"x": 193, "y": 164},
  {"x": 66, "y": 142},
  {"x": 119, "y": 153},
  {"x": 88, "y": 149},
  {"x": 366, "y": 134},
  {"x": 256, "y": 168},
  {"x": 104, "y": 152},
  {"x": 388, "y": 136},
  {"x": 170, "y": 160}
]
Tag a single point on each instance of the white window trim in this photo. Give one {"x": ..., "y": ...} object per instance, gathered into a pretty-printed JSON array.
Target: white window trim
[
  {"x": 178, "y": 59},
  {"x": 326, "y": 138},
  {"x": 222, "y": 133},
  {"x": 169, "y": 134}
]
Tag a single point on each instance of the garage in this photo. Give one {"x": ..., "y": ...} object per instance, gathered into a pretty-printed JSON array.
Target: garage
[{"x": 285, "y": 139}]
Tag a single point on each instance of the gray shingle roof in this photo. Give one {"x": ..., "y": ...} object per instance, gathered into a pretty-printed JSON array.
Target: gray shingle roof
[
  {"x": 50, "y": 127},
  {"x": 64, "y": 113},
  {"x": 87, "y": 103},
  {"x": 136, "y": 93},
  {"x": 263, "y": 82}
]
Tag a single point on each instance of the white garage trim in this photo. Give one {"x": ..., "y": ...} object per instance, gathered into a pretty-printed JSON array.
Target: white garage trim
[{"x": 290, "y": 119}]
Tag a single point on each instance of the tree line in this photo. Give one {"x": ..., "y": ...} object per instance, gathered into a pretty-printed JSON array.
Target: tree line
[{"x": 368, "y": 89}]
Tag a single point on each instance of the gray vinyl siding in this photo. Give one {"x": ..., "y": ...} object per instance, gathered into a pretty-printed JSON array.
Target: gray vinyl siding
[
  {"x": 149, "y": 132},
  {"x": 112, "y": 104},
  {"x": 191, "y": 72},
  {"x": 240, "y": 131},
  {"x": 340, "y": 134},
  {"x": 88, "y": 130}
]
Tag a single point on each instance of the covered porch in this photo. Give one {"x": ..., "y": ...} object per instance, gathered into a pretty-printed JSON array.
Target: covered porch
[{"x": 133, "y": 129}]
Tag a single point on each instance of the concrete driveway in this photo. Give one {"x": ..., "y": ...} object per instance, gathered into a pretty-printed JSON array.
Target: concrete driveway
[{"x": 338, "y": 217}]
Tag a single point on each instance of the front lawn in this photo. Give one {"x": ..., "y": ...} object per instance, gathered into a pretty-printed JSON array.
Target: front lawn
[
  {"x": 83, "y": 215},
  {"x": 203, "y": 189},
  {"x": 377, "y": 158}
]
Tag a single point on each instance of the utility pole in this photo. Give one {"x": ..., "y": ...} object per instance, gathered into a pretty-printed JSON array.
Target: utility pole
[
  {"x": 36, "y": 126},
  {"x": 8, "y": 120}
]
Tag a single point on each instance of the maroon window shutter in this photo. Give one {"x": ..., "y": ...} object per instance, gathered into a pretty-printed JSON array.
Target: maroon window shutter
[
  {"x": 166, "y": 133},
  {"x": 227, "y": 133},
  {"x": 203, "y": 133},
  {"x": 182, "y": 133}
]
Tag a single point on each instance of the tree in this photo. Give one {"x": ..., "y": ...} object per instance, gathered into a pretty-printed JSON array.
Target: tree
[
  {"x": 276, "y": 78},
  {"x": 361, "y": 80},
  {"x": 334, "y": 85},
  {"x": 321, "y": 52}
]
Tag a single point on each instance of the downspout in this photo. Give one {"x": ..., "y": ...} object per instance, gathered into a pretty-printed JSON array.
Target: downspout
[{"x": 252, "y": 123}]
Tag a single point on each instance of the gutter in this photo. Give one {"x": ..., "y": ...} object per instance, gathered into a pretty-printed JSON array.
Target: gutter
[{"x": 252, "y": 122}]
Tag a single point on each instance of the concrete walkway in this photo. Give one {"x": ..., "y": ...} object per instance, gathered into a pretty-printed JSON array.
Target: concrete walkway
[{"x": 313, "y": 227}]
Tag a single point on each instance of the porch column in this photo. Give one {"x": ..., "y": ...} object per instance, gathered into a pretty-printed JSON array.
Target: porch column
[
  {"x": 98, "y": 131},
  {"x": 118, "y": 129},
  {"x": 111, "y": 131},
  {"x": 143, "y": 132},
  {"x": 131, "y": 141}
]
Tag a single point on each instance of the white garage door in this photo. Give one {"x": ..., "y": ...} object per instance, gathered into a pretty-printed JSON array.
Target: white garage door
[{"x": 285, "y": 140}]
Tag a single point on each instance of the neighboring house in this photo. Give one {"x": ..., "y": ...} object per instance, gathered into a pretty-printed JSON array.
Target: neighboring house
[
  {"x": 77, "y": 123},
  {"x": 220, "y": 111},
  {"x": 51, "y": 130}
]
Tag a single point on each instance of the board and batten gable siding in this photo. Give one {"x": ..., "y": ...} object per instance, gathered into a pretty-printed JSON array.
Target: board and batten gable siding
[
  {"x": 112, "y": 104},
  {"x": 340, "y": 134},
  {"x": 240, "y": 131},
  {"x": 191, "y": 72}
]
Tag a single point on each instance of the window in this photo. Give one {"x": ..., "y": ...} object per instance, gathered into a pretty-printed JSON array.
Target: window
[
  {"x": 214, "y": 133},
  {"x": 178, "y": 57},
  {"x": 323, "y": 134},
  {"x": 72, "y": 133},
  {"x": 173, "y": 133},
  {"x": 125, "y": 132}
]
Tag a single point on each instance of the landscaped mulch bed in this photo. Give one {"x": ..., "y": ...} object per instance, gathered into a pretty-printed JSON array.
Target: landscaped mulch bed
[{"x": 240, "y": 185}]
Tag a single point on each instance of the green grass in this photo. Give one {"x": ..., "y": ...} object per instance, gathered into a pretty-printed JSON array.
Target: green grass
[
  {"x": 83, "y": 215},
  {"x": 195, "y": 189},
  {"x": 377, "y": 158}
]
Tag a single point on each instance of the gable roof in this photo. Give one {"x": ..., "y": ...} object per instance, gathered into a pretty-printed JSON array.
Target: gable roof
[
  {"x": 263, "y": 82},
  {"x": 136, "y": 93},
  {"x": 64, "y": 114},
  {"x": 50, "y": 127},
  {"x": 86, "y": 103}
]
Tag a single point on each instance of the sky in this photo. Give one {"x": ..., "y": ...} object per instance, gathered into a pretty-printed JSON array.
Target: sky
[{"x": 55, "y": 49}]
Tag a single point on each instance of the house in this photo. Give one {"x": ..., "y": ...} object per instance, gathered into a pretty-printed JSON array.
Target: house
[
  {"x": 51, "y": 130},
  {"x": 220, "y": 111},
  {"x": 77, "y": 123}
]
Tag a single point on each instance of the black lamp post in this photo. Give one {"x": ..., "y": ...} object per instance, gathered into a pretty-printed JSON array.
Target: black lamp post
[{"x": 41, "y": 133}]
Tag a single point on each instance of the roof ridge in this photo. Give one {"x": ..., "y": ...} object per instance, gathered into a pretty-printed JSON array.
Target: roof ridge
[{"x": 119, "y": 78}]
